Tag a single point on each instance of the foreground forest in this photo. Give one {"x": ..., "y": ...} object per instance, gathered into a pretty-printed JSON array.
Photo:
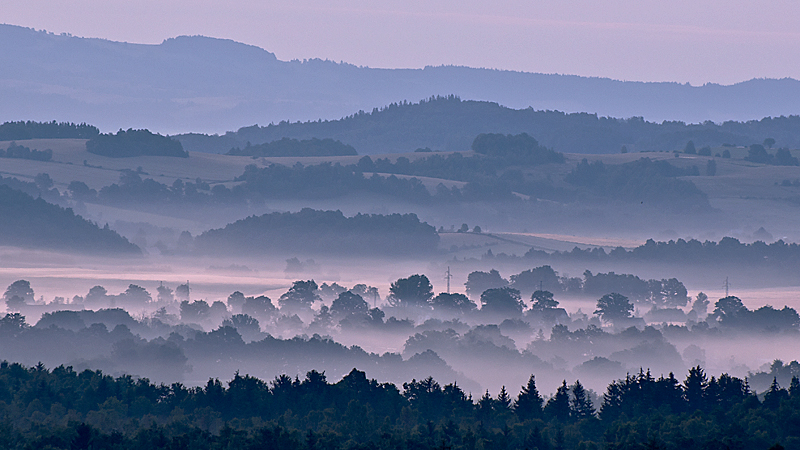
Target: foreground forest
[{"x": 65, "y": 409}]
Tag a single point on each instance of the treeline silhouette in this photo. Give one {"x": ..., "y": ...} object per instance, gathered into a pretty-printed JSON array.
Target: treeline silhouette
[
  {"x": 18, "y": 131},
  {"x": 727, "y": 251},
  {"x": 450, "y": 124},
  {"x": 67, "y": 409},
  {"x": 640, "y": 181},
  {"x": 322, "y": 231},
  {"x": 294, "y": 147},
  {"x": 494, "y": 173},
  {"x": 29, "y": 222},
  {"x": 19, "y": 151},
  {"x": 782, "y": 157},
  {"x": 135, "y": 143},
  {"x": 662, "y": 293}
]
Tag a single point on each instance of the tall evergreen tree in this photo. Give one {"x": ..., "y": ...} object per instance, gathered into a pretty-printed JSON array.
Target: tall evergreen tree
[
  {"x": 580, "y": 405},
  {"x": 558, "y": 405},
  {"x": 529, "y": 403},
  {"x": 794, "y": 387},
  {"x": 503, "y": 402},
  {"x": 774, "y": 395},
  {"x": 694, "y": 388}
]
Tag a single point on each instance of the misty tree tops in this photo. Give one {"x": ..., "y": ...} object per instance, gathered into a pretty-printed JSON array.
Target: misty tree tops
[
  {"x": 614, "y": 307},
  {"x": 415, "y": 290}
]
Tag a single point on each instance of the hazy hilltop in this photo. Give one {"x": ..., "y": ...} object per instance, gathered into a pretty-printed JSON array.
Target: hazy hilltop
[
  {"x": 212, "y": 85},
  {"x": 34, "y": 223},
  {"x": 450, "y": 124}
]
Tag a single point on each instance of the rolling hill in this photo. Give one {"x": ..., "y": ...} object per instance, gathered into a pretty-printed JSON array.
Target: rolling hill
[
  {"x": 34, "y": 223},
  {"x": 195, "y": 83},
  {"x": 451, "y": 124}
]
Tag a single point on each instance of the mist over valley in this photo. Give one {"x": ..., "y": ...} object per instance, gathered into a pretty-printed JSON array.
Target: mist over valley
[{"x": 440, "y": 270}]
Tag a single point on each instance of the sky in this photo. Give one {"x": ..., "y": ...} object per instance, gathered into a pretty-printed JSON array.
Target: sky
[{"x": 698, "y": 41}]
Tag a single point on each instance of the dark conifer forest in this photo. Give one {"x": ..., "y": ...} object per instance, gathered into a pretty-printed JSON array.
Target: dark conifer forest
[{"x": 67, "y": 409}]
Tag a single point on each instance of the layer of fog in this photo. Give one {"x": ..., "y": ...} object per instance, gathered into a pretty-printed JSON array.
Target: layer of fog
[{"x": 213, "y": 279}]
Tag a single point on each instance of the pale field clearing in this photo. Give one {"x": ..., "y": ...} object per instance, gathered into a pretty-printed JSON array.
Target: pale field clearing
[{"x": 72, "y": 162}]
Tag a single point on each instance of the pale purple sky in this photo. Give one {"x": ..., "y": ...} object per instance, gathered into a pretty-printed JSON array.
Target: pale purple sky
[{"x": 696, "y": 41}]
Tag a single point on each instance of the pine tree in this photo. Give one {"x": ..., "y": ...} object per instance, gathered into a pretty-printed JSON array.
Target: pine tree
[
  {"x": 775, "y": 394},
  {"x": 694, "y": 388},
  {"x": 529, "y": 402},
  {"x": 712, "y": 394},
  {"x": 503, "y": 402},
  {"x": 558, "y": 405},
  {"x": 794, "y": 387},
  {"x": 485, "y": 407},
  {"x": 580, "y": 405}
]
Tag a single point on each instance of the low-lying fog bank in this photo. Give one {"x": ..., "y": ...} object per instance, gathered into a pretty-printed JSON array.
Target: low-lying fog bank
[{"x": 171, "y": 319}]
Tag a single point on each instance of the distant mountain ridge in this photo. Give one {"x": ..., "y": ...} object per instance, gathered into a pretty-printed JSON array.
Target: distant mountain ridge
[{"x": 211, "y": 85}]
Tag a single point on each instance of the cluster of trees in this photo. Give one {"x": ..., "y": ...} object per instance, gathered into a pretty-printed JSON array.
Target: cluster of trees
[
  {"x": 782, "y": 157},
  {"x": 662, "y": 293},
  {"x": 640, "y": 181},
  {"x": 18, "y": 131},
  {"x": 515, "y": 149},
  {"x": 127, "y": 143},
  {"x": 323, "y": 231},
  {"x": 324, "y": 181},
  {"x": 294, "y": 147},
  {"x": 258, "y": 185},
  {"x": 727, "y": 251},
  {"x": 731, "y": 312},
  {"x": 494, "y": 173},
  {"x": 29, "y": 222},
  {"x": 41, "y": 186},
  {"x": 18, "y": 151},
  {"x": 448, "y": 123},
  {"x": 487, "y": 175},
  {"x": 65, "y": 408}
]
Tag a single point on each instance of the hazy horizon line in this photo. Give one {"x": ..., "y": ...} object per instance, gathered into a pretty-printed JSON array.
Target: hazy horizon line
[{"x": 427, "y": 66}]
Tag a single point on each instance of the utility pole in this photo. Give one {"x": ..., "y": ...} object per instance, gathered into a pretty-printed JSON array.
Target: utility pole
[{"x": 447, "y": 277}]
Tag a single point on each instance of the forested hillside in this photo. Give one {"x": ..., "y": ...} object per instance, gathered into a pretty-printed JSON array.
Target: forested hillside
[
  {"x": 449, "y": 123},
  {"x": 29, "y": 222},
  {"x": 134, "y": 143},
  {"x": 323, "y": 232}
]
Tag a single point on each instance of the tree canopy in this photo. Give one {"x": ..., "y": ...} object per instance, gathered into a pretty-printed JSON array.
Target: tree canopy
[
  {"x": 415, "y": 290},
  {"x": 127, "y": 143}
]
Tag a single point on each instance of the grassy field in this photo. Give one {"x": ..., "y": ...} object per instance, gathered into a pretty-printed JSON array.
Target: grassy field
[{"x": 745, "y": 195}]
